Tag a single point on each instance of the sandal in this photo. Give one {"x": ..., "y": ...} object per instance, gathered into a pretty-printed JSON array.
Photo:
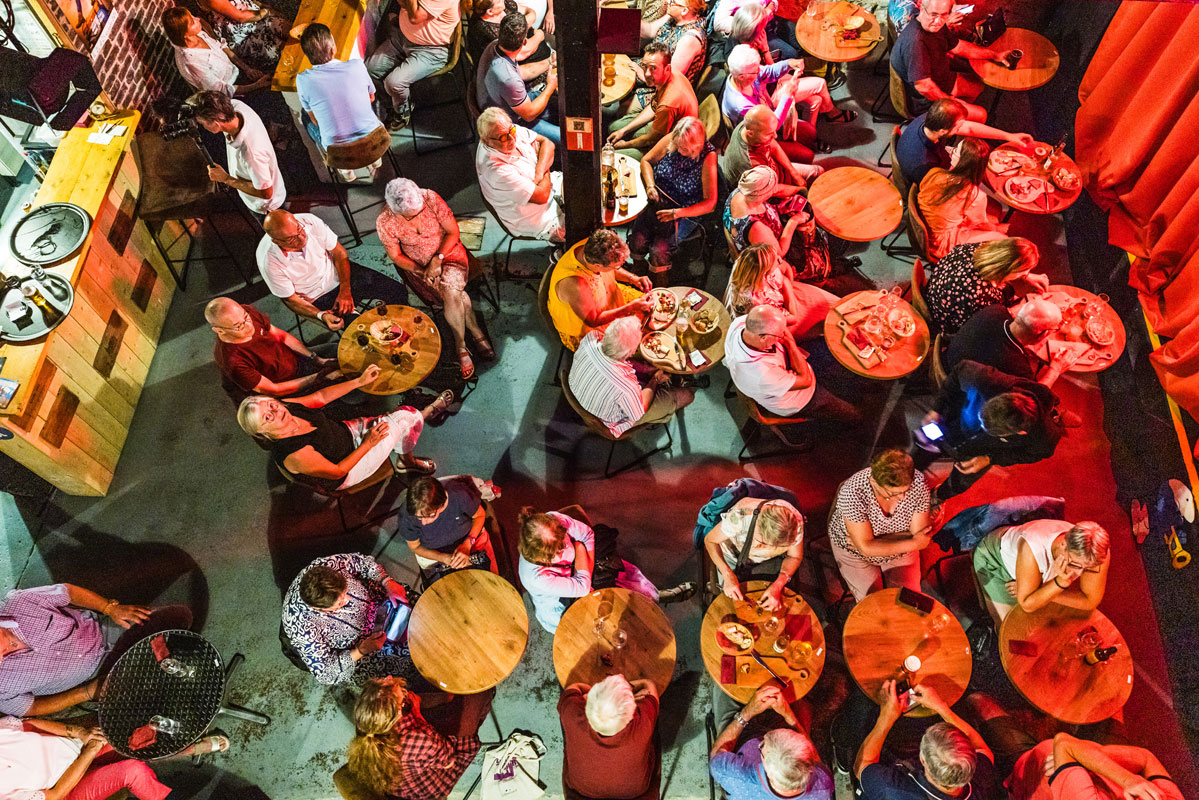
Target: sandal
[
  {"x": 465, "y": 364},
  {"x": 822, "y": 147},
  {"x": 483, "y": 347},
  {"x": 215, "y": 742},
  {"x": 418, "y": 466},
  {"x": 843, "y": 115},
  {"x": 439, "y": 409}
]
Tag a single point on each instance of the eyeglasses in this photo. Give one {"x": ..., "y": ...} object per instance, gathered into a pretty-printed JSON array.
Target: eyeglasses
[
  {"x": 296, "y": 238},
  {"x": 886, "y": 493},
  {"x": 504, "y": 137},
  {"x": 241, "y": 324}
]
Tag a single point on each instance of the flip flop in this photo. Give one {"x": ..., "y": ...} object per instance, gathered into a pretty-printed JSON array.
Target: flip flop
[
  {"x": 217, "y": 741},
  {"x": 419, "y": 466},
  {"x": 465, "y": 364}
]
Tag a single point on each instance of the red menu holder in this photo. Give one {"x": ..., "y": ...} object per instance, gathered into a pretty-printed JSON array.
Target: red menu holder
[
  {"x": 159, "y": 645},
  {"x": 799, "y": 627},
  {"x": 143, "y": 737}
]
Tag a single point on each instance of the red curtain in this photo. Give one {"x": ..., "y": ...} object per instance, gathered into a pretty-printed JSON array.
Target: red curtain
[{"x": 1137, "y": 136}]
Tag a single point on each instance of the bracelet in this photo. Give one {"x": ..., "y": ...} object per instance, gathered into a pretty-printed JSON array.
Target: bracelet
[
  {"x": 1058, "y": 585},
  {"x": 107, "y": 605},
  {"x": 320, "y": 316}
]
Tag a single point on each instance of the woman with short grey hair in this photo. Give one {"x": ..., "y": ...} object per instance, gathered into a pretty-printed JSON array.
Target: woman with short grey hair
[{"x": 421, "y": 237}]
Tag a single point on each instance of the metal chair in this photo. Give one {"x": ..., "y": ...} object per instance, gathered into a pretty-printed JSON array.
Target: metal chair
[
  {"x": 432, "y": 300},
  {"x": 499, "y": 275},
  {"x": 357, "y": 154},
  {"x": 543, "y": 308},
  {"x": 878, "y": 112},
  {"x": 917, "y": 290},
  {"x": 900, "y": 183},
  {"x": 451, "y": 69},
  {"x": 596, "y": 426},
  {"x": 936, "y": 365},
  {"x": 381, "y": 478},
  {"x": 917, "y": 226},
  {"x": 761, "y": 419}
]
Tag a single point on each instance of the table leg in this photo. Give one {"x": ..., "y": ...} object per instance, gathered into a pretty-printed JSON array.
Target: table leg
[{"x": 245, "y": 714}]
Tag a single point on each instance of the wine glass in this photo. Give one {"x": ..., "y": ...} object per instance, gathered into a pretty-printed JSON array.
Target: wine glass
[
  {"x": 619, "y": 639},
  {"x": 936, "y": 624}
]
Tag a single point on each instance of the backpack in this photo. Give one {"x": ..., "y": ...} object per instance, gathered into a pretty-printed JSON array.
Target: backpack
[{"x": 725, "y": 497}]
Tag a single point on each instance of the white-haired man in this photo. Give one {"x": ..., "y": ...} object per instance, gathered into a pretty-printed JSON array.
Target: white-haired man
[
  {"x": 781, "y": 764},
  {"x": 608, "y": 737},
  {"x": 513, "y": 164},
  {"x": 1009, "y": 343},
  {"x": 607, "y": 384},
  {"x": 954, "y": 758}
]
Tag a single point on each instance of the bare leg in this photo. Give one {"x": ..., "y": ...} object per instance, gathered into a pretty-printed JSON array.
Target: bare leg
[{"x": 455, "y": 313}]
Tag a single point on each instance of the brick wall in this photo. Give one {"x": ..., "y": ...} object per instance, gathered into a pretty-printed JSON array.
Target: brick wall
[{"x": 135, "y": 64}]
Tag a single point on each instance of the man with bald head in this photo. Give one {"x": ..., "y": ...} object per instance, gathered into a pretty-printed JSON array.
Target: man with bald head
[
  {"x": 754, "y": 143},
  {"x": 767, "y": 366},
  {"x": 255, "y": 357},
  {"x": 305, "y": 266},
  {"x": 996, "y": 338}
]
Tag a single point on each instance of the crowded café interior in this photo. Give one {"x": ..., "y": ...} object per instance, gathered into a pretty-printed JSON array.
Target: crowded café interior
[{"x": 682, "y": 399}]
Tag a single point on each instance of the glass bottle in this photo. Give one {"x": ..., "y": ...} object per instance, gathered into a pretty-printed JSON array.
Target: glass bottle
[{"x": 33, "y": 292}]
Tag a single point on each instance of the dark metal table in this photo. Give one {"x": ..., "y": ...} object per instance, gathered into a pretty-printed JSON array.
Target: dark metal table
[{"x": 139, "y": 688}]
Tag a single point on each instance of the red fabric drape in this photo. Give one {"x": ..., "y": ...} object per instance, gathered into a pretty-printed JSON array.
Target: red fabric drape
[{"x": 1137, "y": 135}]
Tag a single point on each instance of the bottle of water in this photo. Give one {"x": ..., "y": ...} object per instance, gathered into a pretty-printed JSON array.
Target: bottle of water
[{"x": 165, "y": 724}]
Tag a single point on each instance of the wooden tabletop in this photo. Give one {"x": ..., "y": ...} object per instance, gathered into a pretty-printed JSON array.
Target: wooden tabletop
[
  {"x": 1071, "y": 300},
  {"x": 468, "y": 631},
  {"x": 343, "y": 17},
  {"x": 1035, "y": 68},
  {"x": 623, "y": 80},
  {"x": 1051, "y": 673},
  {"x": 820, "y": 33},
  {"x": 879, "y": 634},
  {"x": 1053, "y": 201},
  {"x": 894, "y": 355},
  {"x": 710, "y": 344},
  {"x": 416, "y": 357},
  {"x": 855, "y": 203},
  {"x": 630, "y": 185},
  {"x": 749, "y": 674},
  {"x": 583, "y": 655}
]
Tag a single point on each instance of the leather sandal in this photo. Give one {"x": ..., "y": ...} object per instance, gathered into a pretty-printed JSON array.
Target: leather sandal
[
  {"x": 418, "y": 466},
  {"x": 483, "y": 347},
  {"x": 466, "y": 364},
  {"x": 843, "y": 115},
  {"x": 439, "y": 409},
  {"x": 822, "y": 147}
]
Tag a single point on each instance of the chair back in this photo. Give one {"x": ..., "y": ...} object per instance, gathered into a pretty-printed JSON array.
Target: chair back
[
  {"x": 899, "y": 96},
  {"x": 349, "y": 787},
  {"x": 384, "y": 472},
  {"x": 174, "y": 178},
  {"x": 593, "y": 423},
  {"x": 762, "y": 416},
  {"x": 472, "y": 101},
  {"x": 936, "y": 367},
  {"x": 455, "y": 50},
  {"x": 543, "y": 303},
  {"x": 917, "y": 288},
  {"x": 360, "y": 152},
  {"x": 917, "y": 227},
  {"x": 710, "y": 116},
  {"x": 728, "y": 238},
  {"x": 897, "y": 178}
]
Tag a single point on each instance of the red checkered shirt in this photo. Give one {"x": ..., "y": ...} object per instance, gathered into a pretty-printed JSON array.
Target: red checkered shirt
[{"x": 432, "y": 763}]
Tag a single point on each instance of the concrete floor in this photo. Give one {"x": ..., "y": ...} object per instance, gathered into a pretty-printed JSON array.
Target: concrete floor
[{"x": 196, "y": 514}]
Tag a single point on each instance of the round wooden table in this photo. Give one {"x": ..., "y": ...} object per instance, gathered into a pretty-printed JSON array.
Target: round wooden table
[
  {"x": 710, "y": 344},
  {"x": 820, "y": 34},
  {"x": 581, "y": 655},
  {"x": 625, "y": 77},
  {"x": 468, "y": 631},
  {"x": 902, "y": 357},
  {"x": 749, "y": 674},
  {"x": 1070, "y": 300},
  {"x": 1048, "y": 670},
  {"x": 630, "y": 185},
  {"x": 1051, "y": 202},
  {"x": 1037, "y": 66},
  {"x": 855, "y": 203},
  {"x": 880, "y": 633},
  {"x": 400, "y": 367}
]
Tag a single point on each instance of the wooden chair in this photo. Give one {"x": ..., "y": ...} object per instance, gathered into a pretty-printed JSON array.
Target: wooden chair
[
  {"x": 899, "y": 96},
  {"x": 451, "y": 69},
  {"x": 497, "y": 274},
  {"x": 936, "y": 365},
  {"x": 917, "y": 289},
  {"x": 762, "y": 419},
  {"x": 917, "y": 227},
  {"x": 728, "y": 239},
  {"x": 878, "y": 111},
  {"x": 381, "y": 478},
  {"x": 543, "y": 308},
  {"x": 357, "y": 154},
  {"x": 596, "y": 426},
  {"x": 713, "y": 120},
  {"x": 901, "y": 185}
]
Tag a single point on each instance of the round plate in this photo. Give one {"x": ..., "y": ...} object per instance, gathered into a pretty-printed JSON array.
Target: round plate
[
  {"x": 49, "y": 234},
  {"x": 35, "y": 325},
  {"x": 726, "y": 645}
]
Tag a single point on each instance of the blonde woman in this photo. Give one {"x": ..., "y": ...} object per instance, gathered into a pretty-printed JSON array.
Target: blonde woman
[
  {"x": 772, "y": 530},
  {"x": 953, "y": 203},
  {"x": 395, "y": 752},
  {"x": 758, "y": 279},
  {"x": 974, "y": 276}
]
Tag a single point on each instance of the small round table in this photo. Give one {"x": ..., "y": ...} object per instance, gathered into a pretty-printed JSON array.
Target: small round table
[
  {"x": 880, "y": 633},
  {"x": 749, "y": 674},
  {"x": 400, "y": 367},
  {"x": 137, "y": 688},
  {"x": 855, "y": 203},
  {"x": 820, "y": 34},
  {"x": 902, "y": 358},
  {"x": 1069, "y": 299},
  {"x": 1035, "y": 68},
  {"x": 625, "y": 78},
  {"x": 634, "y": 187},
  {"x": 1047, "y": 669},
  {"x": 583, "y": 655},
  {"x": 710, "y": 344},
  {"x": 1049, "y": 203},
  {"x": 468, "y": 631}
]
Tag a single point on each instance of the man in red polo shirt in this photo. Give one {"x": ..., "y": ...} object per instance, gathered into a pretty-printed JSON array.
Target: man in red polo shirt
[{"x": 255, "y": 357}]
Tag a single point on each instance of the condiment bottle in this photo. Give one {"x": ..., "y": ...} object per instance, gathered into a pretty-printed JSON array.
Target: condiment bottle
[{"x": 1100, "y": 654}]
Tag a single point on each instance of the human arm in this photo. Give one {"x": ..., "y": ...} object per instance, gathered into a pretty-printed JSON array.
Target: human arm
[
  {"x": 643, "y": 687},
  {"x": 50, "y": 703},
  {"x": 648, "y": 162},
  {"x": 1127, "y": 767},
  {"x": 708, "y": 201},
  {"x": 67, "y": 782},
  {"x": 861, "y": 537},
  {"x": 123, "y": 615},
  {"x": 531, "y": 108},
  {"x": 729, "y": 583},
  {"x": 300, "y": 305},
  {"x": 341, "y": 264},
  {"x": 772, "y": 597},
  {"x": 927, "y": 696},
  {"x": 1070, "y": 586},
  {"x": 648, "y": 391},
  {"x": 217, "y": 174},
  {"x": 650, "y": 29},
  {"x": 542, "y": 176},
  {"x": 616, "y": 137},
  {"x": 227, "y": 9},
  {"x": 534, "y": 69},
  {"x": 687, "y": 50},
  {"x": 889, "y": 712},
  {"x": 967, "y": 49},
  {"x": 325, "y": 396},
  {"x": 981, "y": 130},
  {"x": 582, "y": 302},
  {"x": 416, "y": 13},
  {"x": 460, "y": 557},
  {"x": 768, "y": 696},
  {"x": 547, "y": 22}
]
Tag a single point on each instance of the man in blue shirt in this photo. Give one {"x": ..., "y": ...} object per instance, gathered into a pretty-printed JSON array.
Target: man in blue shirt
[
  {"x": 924, "y": 143},
  {"x": 501, "y": 79},
  {"x": 336, "y": 95},
  {"x": 781, "y": 764}
]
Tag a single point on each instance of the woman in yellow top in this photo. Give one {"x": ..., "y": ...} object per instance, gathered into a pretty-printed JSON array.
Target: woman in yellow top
[
  {"x": 953, "y": 202},
  {"x": 584, "y": 292}
]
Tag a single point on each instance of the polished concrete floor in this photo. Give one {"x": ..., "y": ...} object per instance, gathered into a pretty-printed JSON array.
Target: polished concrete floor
[{"x": 197, "y": 515}]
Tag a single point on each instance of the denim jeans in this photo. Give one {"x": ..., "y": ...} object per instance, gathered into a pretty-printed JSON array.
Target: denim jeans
[
  {"x": 398, "y": 64},
  {"x": 544, "y": 124}
]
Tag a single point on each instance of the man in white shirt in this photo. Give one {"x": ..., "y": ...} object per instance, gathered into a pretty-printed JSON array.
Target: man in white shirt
[
  {"x": 253, "y": 168},
  {"x": 417, "y": 45},
  {"x": 767, "y": 366},
  {"x": 304, "y": 265},
  {"x": 513, "y": 164}
]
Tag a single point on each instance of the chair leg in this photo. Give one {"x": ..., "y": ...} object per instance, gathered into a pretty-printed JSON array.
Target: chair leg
[
  {"x": 228, "y": 250},
  {"x": 879, "y": 108},
  {"x": 609, "y": 472},
  {"x": 883, "y": 155},
  {"x": 180, "y": 276},
  {"x": 445, "y": 143},
  {"x": 343, "y": 202},
  {"x": 395, "y": 163},
  {"x": 806, "y": 444},
  {"x": 558, "y": 365}
]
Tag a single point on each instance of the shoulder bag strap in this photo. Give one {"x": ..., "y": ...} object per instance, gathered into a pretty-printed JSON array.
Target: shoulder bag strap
[{"x": 749, "y": 537}]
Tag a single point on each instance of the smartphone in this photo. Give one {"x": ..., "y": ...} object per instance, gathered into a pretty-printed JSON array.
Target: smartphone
[
  {"x": 932, "y": 431},
  {"x": 397, "y": 623},
  {"x": 964, "y": 9},
  {"x": 918, "y": 602},
  {"x": 903, "y": 692}
]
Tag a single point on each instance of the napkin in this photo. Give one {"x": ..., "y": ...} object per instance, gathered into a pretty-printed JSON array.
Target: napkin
[
  {"x": 799, "y": 627},
  {"x": 1054, "y": 346},
  {"x": 1021, "y": 647},
  {"x": 159, "y": 645},
  {"x": 728, "y": 669},
  {"x": 695, "y": 299},
  {"x": 143, "y": 737}
]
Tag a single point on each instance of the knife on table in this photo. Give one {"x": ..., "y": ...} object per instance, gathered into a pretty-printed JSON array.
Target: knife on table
[{"x": 765, "y": 666}]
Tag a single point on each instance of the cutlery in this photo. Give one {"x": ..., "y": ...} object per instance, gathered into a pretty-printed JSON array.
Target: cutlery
[{"x": 766, "y": 667}]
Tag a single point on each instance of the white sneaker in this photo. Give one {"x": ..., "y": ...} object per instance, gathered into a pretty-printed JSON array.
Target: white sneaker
[{"x": 348, "y": 175}]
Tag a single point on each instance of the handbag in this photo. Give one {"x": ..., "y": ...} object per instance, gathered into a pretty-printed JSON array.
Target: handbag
[{"x": 990, "y": 28}]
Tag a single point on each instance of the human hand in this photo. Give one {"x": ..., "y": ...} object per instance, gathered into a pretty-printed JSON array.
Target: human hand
[
  {"x": 1011, "y": 588},
  {"x": 218, "y": 174},
  {"x": 769, "y": 695},
  {"x": 127, "y": 616},
  {"x": 731, "y": 588},
  {"x": 956, "y": 17},
  {"x": 1062, "y": 569},
  {"x": 377, "y": 434},
  {"x": 651, "y": 194},
  {"x": 1038, "y": 279},
  {"x": 83, "y": 733},
  {"x": 1001, "y": 57},
  {"x": 547, "y": 22},
  {"x": 368, "y": 375},
  {"x": 332, "y": 321},
  {"x": 668, "y": 214},
  {"x": 95, "y": 743},
  {"x": 396, "y": 591},
  {"x": 658, "y": 378},
  {"x": 796, "y": 66},
  {"x": 927, "y": 696},
  {"x": 645, "y": 303},
  {"x": 372, "y": 643},
  {"x": 1140, "y": 789},
  {"x": 890, "y": 707},
  {"x": 344, "y": 305},
  {"x": 972, "y": 465},
  {"x": 460, "y": 559},
  {"x": 1050, "y": 766},
  {"x": 1023, "y": 140},
  {"x": 772, "y": 598}
]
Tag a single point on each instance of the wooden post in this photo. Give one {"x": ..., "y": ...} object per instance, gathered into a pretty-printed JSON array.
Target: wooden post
[{"x": 578, "y": 99}]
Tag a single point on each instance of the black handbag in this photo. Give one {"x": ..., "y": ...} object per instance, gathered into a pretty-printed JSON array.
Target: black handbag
[{"x": 990, "y": 29}]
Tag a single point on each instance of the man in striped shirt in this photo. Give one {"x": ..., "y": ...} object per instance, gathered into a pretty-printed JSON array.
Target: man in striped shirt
[{"x": 608, "y": 386}]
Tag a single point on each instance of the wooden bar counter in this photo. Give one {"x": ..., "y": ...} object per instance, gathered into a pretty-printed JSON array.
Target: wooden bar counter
[{"x": 79, "y": 385}]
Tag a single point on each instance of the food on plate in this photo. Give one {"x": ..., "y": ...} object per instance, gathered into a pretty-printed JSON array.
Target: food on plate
[
  {"x": 1025, "y": 189},
  {"x": 1067, "y": 179},
  {"x": 387, "y": 332},
  {"x": 665, "y": 307},
  {"x": 1040, "y": 151},
  {"x": 703, "y": 321},
  {"x": 853, "y": 23},
  {"x": 901, "y": 322},
  {"x": 657, "y": 346},
  {"x": 1004, "y": 160},
  {"x": 1100, "y": 331},
  {"x": 734, "y": 636}
]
